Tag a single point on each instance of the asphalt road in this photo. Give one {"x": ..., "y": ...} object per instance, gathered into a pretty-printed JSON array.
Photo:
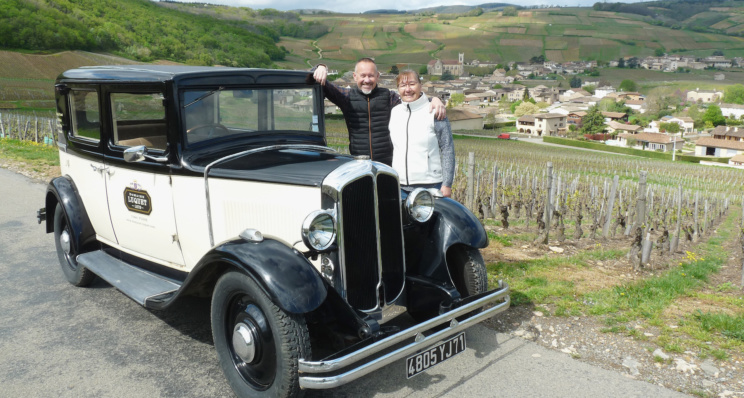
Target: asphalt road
[{"x": 60, "y": 341}]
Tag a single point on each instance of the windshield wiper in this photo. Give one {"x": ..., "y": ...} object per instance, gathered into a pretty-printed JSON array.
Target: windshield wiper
[{"x": 205, "y": 95}]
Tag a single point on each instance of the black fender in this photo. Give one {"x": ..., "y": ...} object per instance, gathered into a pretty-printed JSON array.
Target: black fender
[
  {"x": 62, "y": 190},
  {"x": 285, "y": 275},
  {"x": 451, "y": 224}
]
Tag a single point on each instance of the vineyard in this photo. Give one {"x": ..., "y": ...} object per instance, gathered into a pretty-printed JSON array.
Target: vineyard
[{"x": 550, "y": 195}]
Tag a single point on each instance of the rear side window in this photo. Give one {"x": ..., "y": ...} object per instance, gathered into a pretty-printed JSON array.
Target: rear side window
[
  {"x": 139, "y": 119},
  {"x": 86, "y": 121}
]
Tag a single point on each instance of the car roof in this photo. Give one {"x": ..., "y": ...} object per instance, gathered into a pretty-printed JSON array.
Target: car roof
[{"x": 163, "y": 73}]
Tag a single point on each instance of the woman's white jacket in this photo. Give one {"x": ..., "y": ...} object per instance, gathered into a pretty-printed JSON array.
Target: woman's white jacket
[{"x": 423, "y": 151}]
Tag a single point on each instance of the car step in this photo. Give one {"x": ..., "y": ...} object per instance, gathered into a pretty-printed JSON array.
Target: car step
[{"x": 140, "y": 285}]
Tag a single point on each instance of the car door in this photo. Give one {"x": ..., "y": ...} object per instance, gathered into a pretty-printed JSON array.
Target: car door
[
  {"x": 140, "y": 194},
  {"x": 82, "y": 159}
]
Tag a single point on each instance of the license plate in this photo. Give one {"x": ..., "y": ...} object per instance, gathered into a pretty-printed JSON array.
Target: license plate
[{"x": 422, "y": 361}]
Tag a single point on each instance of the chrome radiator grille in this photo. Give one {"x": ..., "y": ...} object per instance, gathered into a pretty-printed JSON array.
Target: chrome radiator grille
[{"x": 370, "y": 236}]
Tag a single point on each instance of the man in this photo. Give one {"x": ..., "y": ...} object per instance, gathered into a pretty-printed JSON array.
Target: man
[{"x": 366, "y": 109}]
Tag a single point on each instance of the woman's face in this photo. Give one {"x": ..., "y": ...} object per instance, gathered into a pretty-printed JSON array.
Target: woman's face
[{"x": 409, "y": 89}]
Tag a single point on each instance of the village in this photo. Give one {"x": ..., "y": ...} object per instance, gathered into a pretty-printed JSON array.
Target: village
[{"x": 475, "y": 102}]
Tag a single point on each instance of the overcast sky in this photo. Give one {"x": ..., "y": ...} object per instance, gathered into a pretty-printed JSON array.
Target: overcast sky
[{"x": 361, "y": 6}]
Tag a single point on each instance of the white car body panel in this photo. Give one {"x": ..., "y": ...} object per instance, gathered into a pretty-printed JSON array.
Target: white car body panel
[
  {"x": 91, "y": 186},
  {"x": 150, "y": 233},
  {"x": 275, "y": 210}
]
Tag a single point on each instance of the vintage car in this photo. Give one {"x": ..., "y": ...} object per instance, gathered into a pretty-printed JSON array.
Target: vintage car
[{"x": 218, "y": 182}]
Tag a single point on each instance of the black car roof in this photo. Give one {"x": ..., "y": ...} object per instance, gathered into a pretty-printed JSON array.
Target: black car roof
[{"x": 191, "y": 74}]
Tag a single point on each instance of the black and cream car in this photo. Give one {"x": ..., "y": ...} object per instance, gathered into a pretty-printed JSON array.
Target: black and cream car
[{"x": 217, "y": 182}]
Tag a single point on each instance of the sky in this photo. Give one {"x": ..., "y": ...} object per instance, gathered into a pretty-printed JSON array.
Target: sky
[{"x": 348, "y": 6}]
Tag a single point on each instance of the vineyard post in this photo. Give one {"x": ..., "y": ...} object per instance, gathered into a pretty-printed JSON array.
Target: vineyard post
[
  {"x": 695, "y": 231},
  {"x": 548, "y": 207},
  {"x": 608, "y": 219},
  {"x": 705, "y": 217},
  {"x": 471, "y": 177},
  {"x": 2, "y": 126},
  {"x": 641, "y": 204},
  {"x": 493, "y": 188},
  {"x": 675, "y": 241},
  {"x": 36, "y": 129}
]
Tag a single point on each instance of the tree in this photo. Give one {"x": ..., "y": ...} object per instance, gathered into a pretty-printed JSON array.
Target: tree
[
  {"x": 671, "y": 127},
  {"x": 456, "y": 99},
  {"x": 621, "y": 62},
  {"x": 713, "y": 116},
  {"x": 526, "y": 108},
  {"x": 538, "y": 59},
  {"x": 526, "y": 95},
  {"x": 394, "y": 70},
  {"x": 718, "y": 53},
  {"x": 659, "y": 52},
  {"x": 633, "y": 63},
  {"x": 734, "y": 94},
  {"x": 575, "y": 82},
  {"x": 590, "y": 88},
  {"x": 509, "y": 12},
  {"x": 514, "y": 105},
  {"x": 423, "y": 70},
  {"x": 628, "y": 85},
  {"x": 593, "y": 122},
  {"x": 696, "y": 115},
  {"x": 447, "y": 75}
]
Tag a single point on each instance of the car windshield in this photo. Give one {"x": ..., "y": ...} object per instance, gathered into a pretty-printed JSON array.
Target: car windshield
[{"x": 220, "y": 112}]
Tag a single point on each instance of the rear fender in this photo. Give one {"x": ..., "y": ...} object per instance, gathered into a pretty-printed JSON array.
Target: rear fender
[
  {"x": 63, "y": 191},
  {"x": 285, "y": 275}
]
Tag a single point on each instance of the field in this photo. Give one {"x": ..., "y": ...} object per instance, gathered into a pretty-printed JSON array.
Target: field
[{"x": 566, "y": 34}]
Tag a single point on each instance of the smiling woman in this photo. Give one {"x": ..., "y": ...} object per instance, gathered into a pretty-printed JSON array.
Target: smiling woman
[{"x": 423, "y": 151}]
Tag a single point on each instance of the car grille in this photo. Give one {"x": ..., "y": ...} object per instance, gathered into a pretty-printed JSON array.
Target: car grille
[{"x": 371, "y": 238}]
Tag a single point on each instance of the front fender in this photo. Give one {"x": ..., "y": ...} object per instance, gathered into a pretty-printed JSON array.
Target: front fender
[
  {"x": 451, "y": 224},
  {"x": 285, "y": 275},
  {"x": 63, "y": 191}
]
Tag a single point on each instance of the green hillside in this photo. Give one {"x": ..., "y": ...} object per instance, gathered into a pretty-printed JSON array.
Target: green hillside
[
  {"x": 147, "y": 31},
  {"x": 560, "y": 34}
]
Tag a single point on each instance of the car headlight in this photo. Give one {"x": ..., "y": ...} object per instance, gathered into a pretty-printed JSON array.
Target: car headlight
[
  {"x": 319, "y": 230},
  {"x": 420, "y": 205}
]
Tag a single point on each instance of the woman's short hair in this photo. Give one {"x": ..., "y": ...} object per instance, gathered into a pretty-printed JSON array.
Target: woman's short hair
[{"x": 407, "y": 74}]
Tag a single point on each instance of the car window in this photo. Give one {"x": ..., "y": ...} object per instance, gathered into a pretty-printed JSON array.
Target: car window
[
  {"x": 223, "y": 112},
  {"x": 85, "y": 113},
  {"x": 139, "y": 119}
]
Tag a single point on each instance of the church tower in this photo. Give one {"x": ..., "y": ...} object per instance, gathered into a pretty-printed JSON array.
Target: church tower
[{"x": 462, "y": 58}]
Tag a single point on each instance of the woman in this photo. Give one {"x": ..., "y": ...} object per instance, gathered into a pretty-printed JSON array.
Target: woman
[{"x": 423, "y": 151}]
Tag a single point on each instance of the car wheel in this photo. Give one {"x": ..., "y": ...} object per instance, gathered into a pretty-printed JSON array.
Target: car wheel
[
  {"x": 468, "y": 270},
  {"x": 67, "y": 252},
  {"x": 258, "y": 344}
]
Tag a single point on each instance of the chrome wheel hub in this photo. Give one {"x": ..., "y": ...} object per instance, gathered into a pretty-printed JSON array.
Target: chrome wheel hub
[
  {"x": 64, "y": 241},
  {"x": 244, "y": 342}
]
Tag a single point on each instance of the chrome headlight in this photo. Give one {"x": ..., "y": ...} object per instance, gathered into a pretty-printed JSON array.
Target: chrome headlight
[
  {"x": 420, "y": 205},
  {"x": 319, "y": 230}
]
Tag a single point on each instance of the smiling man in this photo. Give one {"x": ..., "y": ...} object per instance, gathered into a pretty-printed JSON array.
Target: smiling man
[{"x": 366, "y": 109}]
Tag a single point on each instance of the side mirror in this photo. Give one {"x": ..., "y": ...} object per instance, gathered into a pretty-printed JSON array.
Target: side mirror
[
  {"x": 139, "y": 153},
  {"x": 135, "y": 154}
]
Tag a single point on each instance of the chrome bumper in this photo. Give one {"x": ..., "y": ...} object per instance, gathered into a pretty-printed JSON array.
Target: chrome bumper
[{"x": 312, "y": 372}]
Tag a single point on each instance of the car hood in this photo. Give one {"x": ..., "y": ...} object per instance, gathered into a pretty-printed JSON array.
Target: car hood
[{"x": 283, "y": 166}]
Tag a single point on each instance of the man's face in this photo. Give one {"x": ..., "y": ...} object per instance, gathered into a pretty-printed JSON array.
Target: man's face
[{"x": 365, "y": 76}]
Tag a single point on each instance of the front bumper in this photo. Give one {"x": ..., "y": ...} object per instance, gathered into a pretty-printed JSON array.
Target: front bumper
[{"x": 339, "y": 371}]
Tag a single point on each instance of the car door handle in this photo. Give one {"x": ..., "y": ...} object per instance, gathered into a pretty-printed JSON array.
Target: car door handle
[{"x": 102, "y": 169}]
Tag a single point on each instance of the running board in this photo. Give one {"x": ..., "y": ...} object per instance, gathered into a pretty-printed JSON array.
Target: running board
[{"x": 141, "y": 286}]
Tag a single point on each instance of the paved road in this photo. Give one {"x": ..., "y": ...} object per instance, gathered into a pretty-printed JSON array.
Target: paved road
[{"x": 60, "y": 341}]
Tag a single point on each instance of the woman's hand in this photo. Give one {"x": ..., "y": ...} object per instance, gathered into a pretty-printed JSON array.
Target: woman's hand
[{"x": 446, "y": 191}]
